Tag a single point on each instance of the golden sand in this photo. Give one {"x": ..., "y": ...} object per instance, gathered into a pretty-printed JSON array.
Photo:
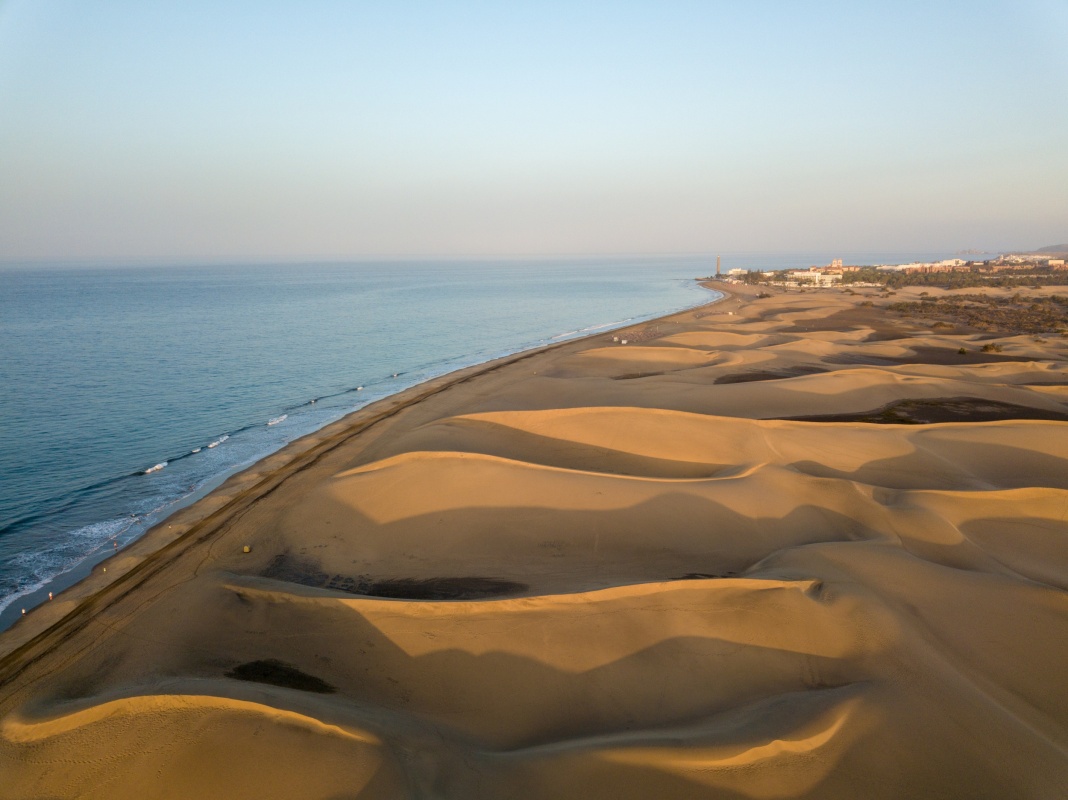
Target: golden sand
[{"x": 599, "y": 571}]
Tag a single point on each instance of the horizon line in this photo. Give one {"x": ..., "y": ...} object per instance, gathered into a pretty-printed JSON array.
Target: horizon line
[{"x": 248, "y": 260}]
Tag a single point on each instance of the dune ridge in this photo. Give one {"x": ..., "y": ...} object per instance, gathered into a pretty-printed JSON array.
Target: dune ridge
[{"x": 601, "y": 570}]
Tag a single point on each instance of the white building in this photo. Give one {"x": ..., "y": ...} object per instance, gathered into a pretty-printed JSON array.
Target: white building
[{"x": 813, "y": 277}]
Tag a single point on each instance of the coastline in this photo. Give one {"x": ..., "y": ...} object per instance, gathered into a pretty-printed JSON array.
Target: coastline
[
  {"x": 378, "y": 330},
  {"x": 795, "y": 544},
  {"x": 81, "y": 584}
]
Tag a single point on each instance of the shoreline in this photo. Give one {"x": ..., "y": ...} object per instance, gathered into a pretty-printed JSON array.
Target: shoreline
[
  {"x": 792, "y": 543},
  {"x": 72, "y": 589},
  {"x": 58, "y": 510}
]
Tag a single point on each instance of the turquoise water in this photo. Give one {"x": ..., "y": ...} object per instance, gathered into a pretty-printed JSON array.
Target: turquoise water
[{"x": 108, "y": 372}]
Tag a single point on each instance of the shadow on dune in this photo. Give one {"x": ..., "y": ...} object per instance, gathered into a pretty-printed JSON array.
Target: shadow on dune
[
  {"x": 295, "y": 569},
  {"x": 465, "y": 718},
  {"x": 948, "y": 465},
  {"x": 454, "y": 669},
  {"x": 489, "y": 438},
  {"x": 1034, "y": 548},
  {"x": 486, "y": 698},
  {"x": 769, "y": 375},
  {"x": 549, "y": 549},
  {"x": 946, "y": 409},
  {"x": 939, "y": 356}
]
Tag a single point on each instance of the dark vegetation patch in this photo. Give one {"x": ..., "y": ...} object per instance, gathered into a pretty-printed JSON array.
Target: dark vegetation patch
[
  {"x": 1012, "y": 315},
  {"x": 928, "y": 355},
  {"x": 700, "y": 576},
  {"x": 950, "y": 355},
  {"x": 950, "y": 409},
  {"x": 278, "y": 673},
  {"x": 632, "y": 375},
  {"x": 769, "y": 375},
  {"x": 975, "y": 277},
  {"x": 467, "y": 588},
  {"x": 854, "y": 360},
  {"x": 293, "y": 569}
]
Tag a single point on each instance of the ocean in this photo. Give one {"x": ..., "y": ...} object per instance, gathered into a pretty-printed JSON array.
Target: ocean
[{"x": 127, "y": 392}]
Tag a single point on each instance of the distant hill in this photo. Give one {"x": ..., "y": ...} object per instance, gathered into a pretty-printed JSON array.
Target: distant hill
[{"x": 1053, "y": 250}]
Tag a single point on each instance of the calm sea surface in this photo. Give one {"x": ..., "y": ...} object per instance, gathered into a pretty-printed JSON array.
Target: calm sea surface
[{"x": 107, "y": 372}]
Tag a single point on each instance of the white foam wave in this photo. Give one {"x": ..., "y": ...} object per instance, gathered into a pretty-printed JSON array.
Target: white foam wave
[
  {"x": 276, "y": 420},
  {"x": 591, "y": 328},
  {"x": 36, "y": 569},
  {"x": 156, "y": 468},
  {"x": 607, "y": 325},
  {"x": 218, "y": 441}
]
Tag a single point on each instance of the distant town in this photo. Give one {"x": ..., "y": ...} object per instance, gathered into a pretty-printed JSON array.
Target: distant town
[{"x": 1046, "y": 266}]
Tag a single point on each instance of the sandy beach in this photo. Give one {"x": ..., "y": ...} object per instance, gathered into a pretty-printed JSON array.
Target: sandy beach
[{"x": 783, "y": 546}]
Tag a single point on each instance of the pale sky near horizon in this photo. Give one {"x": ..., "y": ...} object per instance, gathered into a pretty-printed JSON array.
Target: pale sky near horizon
[{"x": 222, "y": 130}]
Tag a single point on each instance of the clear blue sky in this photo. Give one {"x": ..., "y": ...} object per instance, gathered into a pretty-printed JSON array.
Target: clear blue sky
[{"x": 190, "y": 129}]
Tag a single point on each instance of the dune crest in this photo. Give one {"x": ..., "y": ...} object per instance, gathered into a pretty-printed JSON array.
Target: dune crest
[{"x": 778, "y": 547}]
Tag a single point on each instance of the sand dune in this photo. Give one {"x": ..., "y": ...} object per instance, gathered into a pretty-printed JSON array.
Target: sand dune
[
  {"x": 679, "y": 444},
  {"x": 626, "y": 360},
  {"x": 848, "y": 389},
  {"x": 601, "y": 570},
  {"x": 708, "y": 340}
]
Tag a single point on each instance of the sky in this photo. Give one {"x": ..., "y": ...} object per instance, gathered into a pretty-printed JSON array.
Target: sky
[{"x": 185, "y": 129}]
